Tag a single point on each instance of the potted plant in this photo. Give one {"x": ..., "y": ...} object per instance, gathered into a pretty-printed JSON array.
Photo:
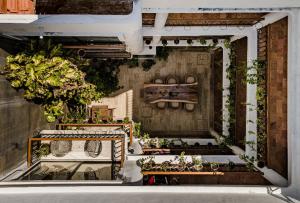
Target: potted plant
[
  {"x": 202, "y": 41},
  {"x": 214, "y": 166},
  {"x": 164, "y": 143},
  {"x": 176, "y": 41},
  {"x": 166, "y": 166},
  {"x": 260, "y": 164},
  {"x": 197, "y": 144},
  {"x": 189, "y": 41},
  {"x": 146, "y": 164},
  {"x": 148, "y": 41},
  {"x": 152, "y": 143},
  {"x": 43, "y": 150},
  {"x": 181, "y": 161},
  {"x": 198, "y": 166},
  {"x": 164, "y": 42},
  {"x": 231, "y": 165}
]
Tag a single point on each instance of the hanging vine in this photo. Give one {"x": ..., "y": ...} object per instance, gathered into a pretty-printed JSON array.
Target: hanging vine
[{"x": 258, "y": 77}]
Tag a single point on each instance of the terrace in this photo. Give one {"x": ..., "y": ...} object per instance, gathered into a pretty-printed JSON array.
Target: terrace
[{"x": 160, "y": 95}]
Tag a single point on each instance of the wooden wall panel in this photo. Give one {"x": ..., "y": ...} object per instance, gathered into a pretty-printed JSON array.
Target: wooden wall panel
[
  {"x": 277, "y": 96},
  {"x": 194, "y": 19},
  {"x": 217, "y": 80},
  {"x": 17, "y": 6},
  {"x": 240, "y": 49}
]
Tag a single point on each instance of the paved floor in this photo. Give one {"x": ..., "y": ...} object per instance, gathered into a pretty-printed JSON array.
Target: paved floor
[
  {"x": 131, "y": 194},
  {"x": 170, "y": 122}
]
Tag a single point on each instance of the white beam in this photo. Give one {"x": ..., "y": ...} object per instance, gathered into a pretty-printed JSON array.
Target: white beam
[
  {"x": 293, "y": 75},
  {"x": 160, "y": 21},
  {"x": 192, "y": 6},
  {"x": 251, "y": 101},
  {"x": 269, "y": 19},
  {"x": 197, "y": 31}
]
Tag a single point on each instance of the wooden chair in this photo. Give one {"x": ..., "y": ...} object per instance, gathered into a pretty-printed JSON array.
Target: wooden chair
[{"x": 101, "y": 112}]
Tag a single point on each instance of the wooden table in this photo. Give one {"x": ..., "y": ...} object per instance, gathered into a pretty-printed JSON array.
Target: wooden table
[{"x": 184, "y": 93}]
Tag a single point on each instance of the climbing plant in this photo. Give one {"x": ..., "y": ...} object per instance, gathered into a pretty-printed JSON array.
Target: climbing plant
[
  {"x": 50, "y": 78},
  {"x": 257, "y": 76}
]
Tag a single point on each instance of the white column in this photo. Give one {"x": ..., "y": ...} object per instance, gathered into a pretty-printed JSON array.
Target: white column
[
  {"x": 293, "y": 80},
  {"x": 134, "y": 42},
  {"x": 160, "y": 21},
  {"x": 225, "y": 86},
  {"x": 251, "y": 112},
  {"x": 134, "y": 36}
]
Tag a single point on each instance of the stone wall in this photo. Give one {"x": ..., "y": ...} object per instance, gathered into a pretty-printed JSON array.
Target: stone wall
[{"x": 19, "y": 119}]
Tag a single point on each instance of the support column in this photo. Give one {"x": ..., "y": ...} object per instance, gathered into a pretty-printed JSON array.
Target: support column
[
  {"x": 225, "y": 86},
  {"x": 293, "y": 76},
  {"x": 251, "y": 112},
  {"x": 160, "y": 21},
  {"x": 134, "y": 39}
]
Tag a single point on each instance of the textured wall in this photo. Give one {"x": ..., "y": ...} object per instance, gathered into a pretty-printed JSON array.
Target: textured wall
[
  {"x": 18, "y": 120},
  {"x": 217, "y": 89},
  {"x": 277, "y": 96},
  {"x": 240, "y": 47}
]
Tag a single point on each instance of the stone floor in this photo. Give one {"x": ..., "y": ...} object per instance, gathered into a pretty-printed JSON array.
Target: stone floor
[{"x": 170, "y": 122}]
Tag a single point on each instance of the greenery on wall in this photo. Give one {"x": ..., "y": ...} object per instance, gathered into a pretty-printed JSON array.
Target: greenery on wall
[
  {"x": 230, "y": 99},
  {"x": 258, "y": 78},
  {"x": 50, "y": 78}
]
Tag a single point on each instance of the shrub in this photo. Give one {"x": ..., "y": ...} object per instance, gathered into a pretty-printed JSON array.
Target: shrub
[{"x": 50, "y": 79}]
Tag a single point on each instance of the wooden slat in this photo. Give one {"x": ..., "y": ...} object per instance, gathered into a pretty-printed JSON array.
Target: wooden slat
[{"x": 101, "y": 46}]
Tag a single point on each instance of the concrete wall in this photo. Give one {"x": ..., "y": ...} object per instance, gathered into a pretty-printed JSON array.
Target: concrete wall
[{"x": 18, "y": 120}]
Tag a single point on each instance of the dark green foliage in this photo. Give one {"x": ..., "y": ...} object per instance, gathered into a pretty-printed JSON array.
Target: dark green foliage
[
  {"x": 50, "y": 79},
  {"x": 104, "y": 74},
  {"x": 147, "y": 64},
  {"x": 162, "y": 53},
  {"x": 132, "y": 63}
]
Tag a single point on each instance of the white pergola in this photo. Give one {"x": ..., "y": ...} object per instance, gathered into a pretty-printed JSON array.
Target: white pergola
[{"x": 129, "y": 29}]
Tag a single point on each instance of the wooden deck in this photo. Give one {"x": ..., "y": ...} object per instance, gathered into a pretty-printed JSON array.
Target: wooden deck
[{"x": 168, "y": 122}]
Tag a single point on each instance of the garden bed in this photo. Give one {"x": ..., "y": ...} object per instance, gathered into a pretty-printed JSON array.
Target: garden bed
[{"x": 190, "y": 150}]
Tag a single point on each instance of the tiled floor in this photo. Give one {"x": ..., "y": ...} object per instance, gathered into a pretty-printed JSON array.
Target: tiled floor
[{"x": 170, "y": 122}]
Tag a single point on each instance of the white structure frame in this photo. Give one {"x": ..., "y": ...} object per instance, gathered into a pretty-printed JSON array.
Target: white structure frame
[{"x": 129, "y": 30}]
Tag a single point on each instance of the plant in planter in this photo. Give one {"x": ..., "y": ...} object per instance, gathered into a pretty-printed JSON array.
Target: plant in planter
[
  {"x": 152, "y": 143},
  {"x": 176, "y": 41},
  {"x": 164, "y": 143},
  {"x": 157, "y": 143},
  {"x": 146, "y": 140},
  {"x": 231, "y": 165},
  {"x": 146, "y": 164},
  {"x": 181, "y": 161},
  {"x": 166, "y": 165},
  {"x": 249, "y": 162},
  {"x": 164, "y": 42},
  {"x": 189, "y": 41},
  {"x": 198, "y": 166},
  {"x": 43, "y": 150},
  {"x": 261, "y": 164},
  {"x": 137, "y": 130},
  {"x": 148, "y": 41},
  {"x": 147, "y": 64},
  {"x": 202, "y": 41},
  {"x": 214, "y": 166},
  {"x": 184, "y": 144},
  {"x": 197, "y": 144}
]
